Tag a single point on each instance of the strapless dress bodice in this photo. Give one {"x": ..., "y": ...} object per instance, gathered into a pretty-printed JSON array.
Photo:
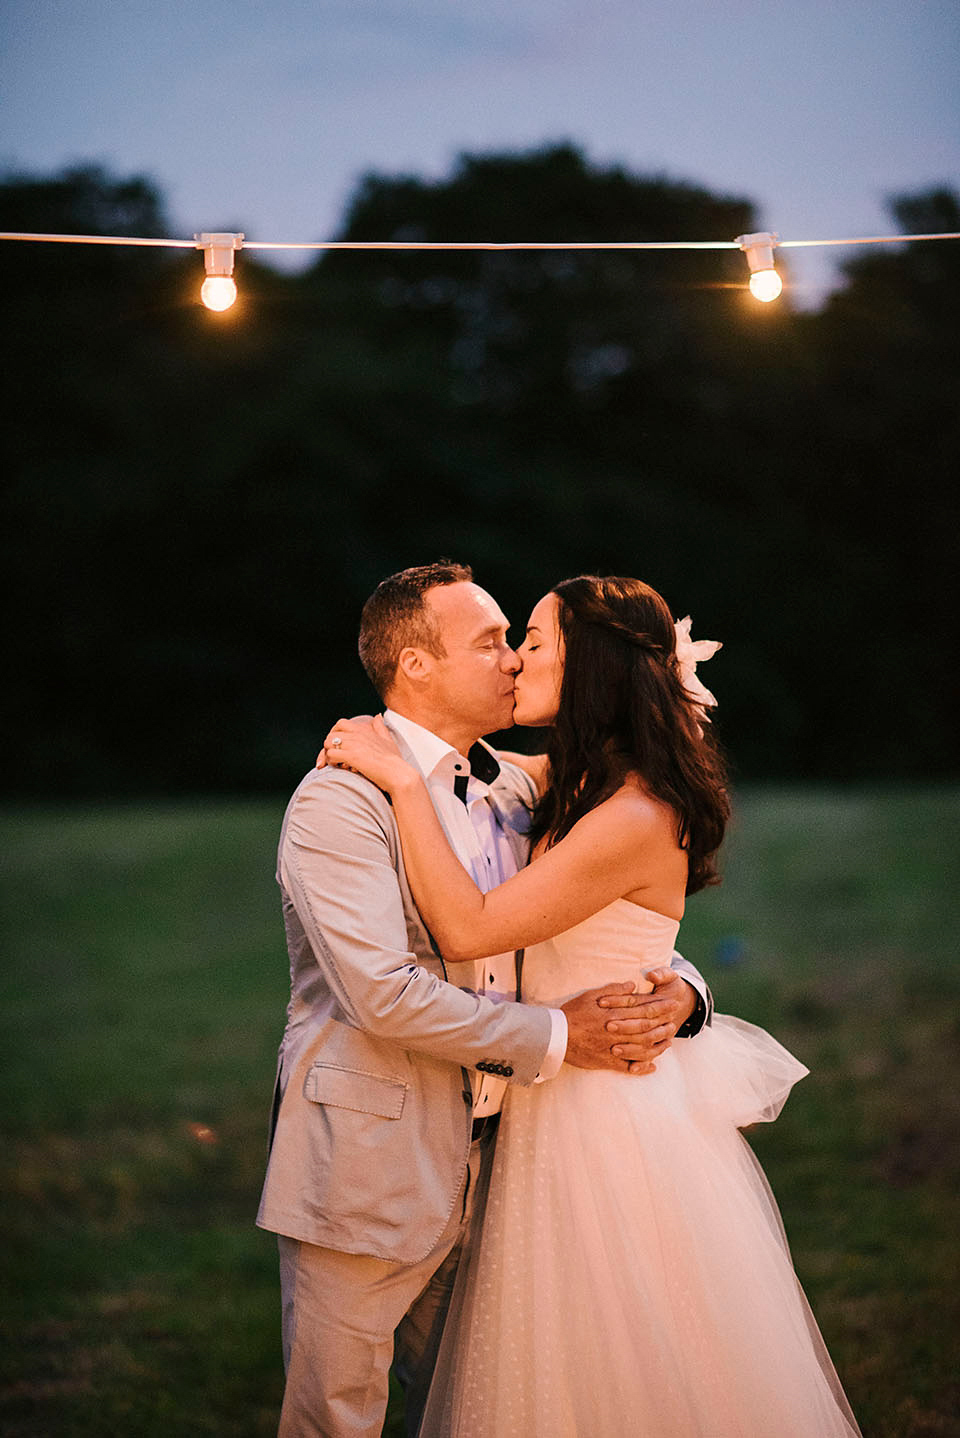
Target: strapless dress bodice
[{"x": 616, "y": 944}]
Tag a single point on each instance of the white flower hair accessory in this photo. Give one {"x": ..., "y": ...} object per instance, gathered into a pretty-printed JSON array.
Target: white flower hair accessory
[{"x": 690, "y": 653}]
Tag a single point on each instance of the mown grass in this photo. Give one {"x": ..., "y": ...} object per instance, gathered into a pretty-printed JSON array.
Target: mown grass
[{"x": 143, "y": 989}]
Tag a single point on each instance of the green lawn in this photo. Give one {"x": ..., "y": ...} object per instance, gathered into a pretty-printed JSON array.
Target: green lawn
[{"x": 143, "y": 991}]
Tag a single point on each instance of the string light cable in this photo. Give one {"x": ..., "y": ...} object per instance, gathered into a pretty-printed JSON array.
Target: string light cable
[{"x": 219, "y": 289}]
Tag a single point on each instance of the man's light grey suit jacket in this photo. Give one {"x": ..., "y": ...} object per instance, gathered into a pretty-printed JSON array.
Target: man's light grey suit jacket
[{"x": 372, "y": 1133}]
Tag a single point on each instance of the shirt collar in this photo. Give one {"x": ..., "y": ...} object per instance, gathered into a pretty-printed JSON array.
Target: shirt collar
[{"x": 430, "y": 751}]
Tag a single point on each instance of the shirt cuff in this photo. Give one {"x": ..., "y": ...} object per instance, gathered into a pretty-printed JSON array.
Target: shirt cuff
[
  {"x": 696, "y": 1020},
  {"x": 557, "y": 1047}
]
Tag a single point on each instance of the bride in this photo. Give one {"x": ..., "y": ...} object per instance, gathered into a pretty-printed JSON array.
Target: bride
[{"x": 631, "y": 1274}]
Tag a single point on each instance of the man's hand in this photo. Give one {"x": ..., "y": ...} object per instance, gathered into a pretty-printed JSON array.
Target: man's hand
[
  {"x": 648, "y": 1032},
  {"x": 589, "y": 1044}
]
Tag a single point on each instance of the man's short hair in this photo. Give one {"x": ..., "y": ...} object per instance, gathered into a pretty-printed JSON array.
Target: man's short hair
[{"x": 395, "y": 618}]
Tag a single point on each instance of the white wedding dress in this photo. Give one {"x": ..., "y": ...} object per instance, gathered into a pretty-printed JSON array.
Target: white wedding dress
[{"x": 632, "y": 1276}]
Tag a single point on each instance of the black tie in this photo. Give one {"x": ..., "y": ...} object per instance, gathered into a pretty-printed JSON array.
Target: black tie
[{"x": 460, "y": 787}]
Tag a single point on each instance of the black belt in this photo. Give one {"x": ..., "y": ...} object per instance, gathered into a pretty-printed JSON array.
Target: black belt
[{"x": 484, "y": 1125}]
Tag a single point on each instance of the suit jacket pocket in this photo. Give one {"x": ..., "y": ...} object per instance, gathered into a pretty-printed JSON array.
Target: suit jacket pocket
[{"x": 351, "y": 1088}]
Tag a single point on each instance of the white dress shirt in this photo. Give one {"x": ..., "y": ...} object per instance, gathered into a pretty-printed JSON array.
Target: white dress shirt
[{"x": 482, "y": 848}]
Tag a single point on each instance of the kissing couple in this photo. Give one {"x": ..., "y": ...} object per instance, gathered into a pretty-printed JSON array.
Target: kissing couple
[{"x": 506, "y": 1151}]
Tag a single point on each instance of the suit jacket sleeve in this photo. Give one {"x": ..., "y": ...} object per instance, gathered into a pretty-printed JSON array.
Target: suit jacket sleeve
[
  {"x": 693, "y": 976},
  {"x": 341, "y": 867}
]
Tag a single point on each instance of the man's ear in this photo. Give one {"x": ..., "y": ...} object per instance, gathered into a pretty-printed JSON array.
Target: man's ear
[{"x": 415, "y": 666}]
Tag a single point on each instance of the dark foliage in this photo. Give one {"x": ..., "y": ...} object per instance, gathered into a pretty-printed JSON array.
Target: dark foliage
[{"x": 195, "y": 506}]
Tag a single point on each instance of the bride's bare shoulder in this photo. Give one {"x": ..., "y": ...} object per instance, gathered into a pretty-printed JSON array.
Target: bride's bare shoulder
[{"x": 632, "y": 807}]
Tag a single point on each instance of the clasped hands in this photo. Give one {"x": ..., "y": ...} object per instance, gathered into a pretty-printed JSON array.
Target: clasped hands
[{"x": 640, "y": 1030}]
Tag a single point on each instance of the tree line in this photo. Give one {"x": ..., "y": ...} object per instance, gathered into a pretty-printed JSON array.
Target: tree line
[{"x": 196, "y": 506}]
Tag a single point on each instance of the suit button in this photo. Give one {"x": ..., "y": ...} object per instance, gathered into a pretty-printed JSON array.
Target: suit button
[{"x": 506, "y": 1070}]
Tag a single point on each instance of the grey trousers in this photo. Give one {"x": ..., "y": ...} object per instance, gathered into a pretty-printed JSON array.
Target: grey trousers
[{"x": 347, "y": 1316}]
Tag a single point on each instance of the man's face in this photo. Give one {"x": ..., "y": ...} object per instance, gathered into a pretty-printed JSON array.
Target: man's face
[{"x": 473, "y": 683}]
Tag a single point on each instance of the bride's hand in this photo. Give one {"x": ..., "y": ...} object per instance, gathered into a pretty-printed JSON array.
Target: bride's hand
[
  {"x": 368, "y": 748},
  {"x": 357, "y": 719}
]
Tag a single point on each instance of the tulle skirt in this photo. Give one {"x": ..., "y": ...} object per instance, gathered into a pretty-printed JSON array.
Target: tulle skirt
[{"x": 631, "y": 1275}]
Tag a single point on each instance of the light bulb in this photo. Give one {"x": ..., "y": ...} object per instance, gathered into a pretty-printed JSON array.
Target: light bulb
[
  {"x": 765, "y": 285},
  {"x": 218, "y": 292}
]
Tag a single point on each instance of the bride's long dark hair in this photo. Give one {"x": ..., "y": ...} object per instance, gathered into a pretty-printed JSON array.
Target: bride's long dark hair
[{"x": 623, "y": 707}]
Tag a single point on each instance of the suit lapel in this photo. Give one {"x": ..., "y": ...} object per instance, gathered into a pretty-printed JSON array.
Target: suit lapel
[{"x": 514, "y": 820}]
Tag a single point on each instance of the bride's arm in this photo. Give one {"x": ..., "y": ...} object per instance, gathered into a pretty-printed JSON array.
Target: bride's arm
[
  {"x": 534, "y": 765},
  {"x": 603, "y": 857}
]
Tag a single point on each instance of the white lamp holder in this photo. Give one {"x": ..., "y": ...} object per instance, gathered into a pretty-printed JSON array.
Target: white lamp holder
[
  {"x": 759, "y": 249},
  {"x": 218, "y": 251}
]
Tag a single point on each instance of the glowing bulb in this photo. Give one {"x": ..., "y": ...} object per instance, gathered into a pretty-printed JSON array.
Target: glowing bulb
[
  {"x": 765, "y": 285},
  {"x": 218, "y": 292}
]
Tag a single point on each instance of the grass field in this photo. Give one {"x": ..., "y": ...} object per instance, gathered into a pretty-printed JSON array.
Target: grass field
[{"x": 143, "y": 990}]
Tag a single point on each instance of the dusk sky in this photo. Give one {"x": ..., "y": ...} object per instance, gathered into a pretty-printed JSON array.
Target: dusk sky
[{"x": 262, "y": 117}]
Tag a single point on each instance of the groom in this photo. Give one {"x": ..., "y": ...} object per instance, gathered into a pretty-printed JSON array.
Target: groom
[{"x": 390, "y": 1076}]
